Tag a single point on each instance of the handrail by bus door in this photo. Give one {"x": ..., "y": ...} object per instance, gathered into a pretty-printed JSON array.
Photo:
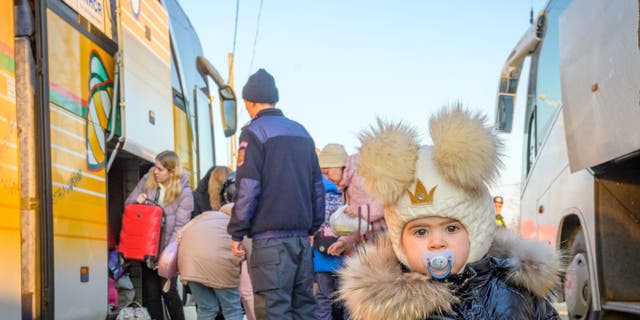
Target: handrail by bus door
[{"x": 43, "y": 146}]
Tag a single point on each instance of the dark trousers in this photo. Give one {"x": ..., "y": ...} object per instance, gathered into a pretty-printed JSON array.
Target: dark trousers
[
  {"x": 152, "y": 295},
  {"x": 281, "y": 273},
  {"x": 326, "y": 306}
]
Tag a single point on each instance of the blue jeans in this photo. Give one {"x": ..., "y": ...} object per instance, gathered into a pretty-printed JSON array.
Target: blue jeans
[
  {"x": 281, "y": 273},
  {"x": 209, "y": 301}
]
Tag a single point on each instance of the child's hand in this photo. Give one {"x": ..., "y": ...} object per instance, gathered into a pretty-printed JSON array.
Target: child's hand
[
  {"x": 351, "y": 211},
  {"x": 141, "y": 198},
  {"x": 337, "y": 248}
]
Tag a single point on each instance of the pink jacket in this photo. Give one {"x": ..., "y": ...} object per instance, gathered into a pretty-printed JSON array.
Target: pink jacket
[{"x": 357, "y": 196}]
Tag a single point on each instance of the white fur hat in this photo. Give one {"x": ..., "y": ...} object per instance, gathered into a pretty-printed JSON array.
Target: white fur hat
[{"x": 448, "y": 179}]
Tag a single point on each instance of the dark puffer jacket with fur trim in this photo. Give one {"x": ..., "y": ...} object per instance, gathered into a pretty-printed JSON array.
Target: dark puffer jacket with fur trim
[{"x": 511, "y": 282}]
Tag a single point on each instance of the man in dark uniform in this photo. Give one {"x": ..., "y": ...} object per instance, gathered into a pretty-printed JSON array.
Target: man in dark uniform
[{"x": 279, "y": 204}]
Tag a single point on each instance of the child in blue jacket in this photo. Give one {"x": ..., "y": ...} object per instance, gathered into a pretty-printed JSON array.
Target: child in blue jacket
[{"x": 332, "y": 160}]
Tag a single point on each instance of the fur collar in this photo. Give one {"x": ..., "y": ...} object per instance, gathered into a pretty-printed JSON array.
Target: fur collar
[{"x": 374, "y": 285}]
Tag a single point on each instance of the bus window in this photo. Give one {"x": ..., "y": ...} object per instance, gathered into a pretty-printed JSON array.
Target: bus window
[
  {"x": 206, "y": 152},
  {"x": 548, "y": 91},
  {"x": 175, "y": 78},
  {"x": 531, "y": 150}
]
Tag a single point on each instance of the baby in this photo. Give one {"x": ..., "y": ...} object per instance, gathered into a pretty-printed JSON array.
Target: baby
[{"x": 442, "y": 257}]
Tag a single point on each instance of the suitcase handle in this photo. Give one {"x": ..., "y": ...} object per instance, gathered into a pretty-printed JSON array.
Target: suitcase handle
[
  {"x": 151, "y": 264},
  {"x": 152, "y": 202}
]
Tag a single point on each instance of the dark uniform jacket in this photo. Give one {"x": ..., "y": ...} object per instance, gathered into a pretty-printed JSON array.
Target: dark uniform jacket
[{"x": 280, "y": 190}]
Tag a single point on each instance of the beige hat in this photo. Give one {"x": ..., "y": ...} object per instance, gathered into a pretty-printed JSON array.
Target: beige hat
[
  {"x": 333, "y": 155},
  {"x": 448, "y": 179}
]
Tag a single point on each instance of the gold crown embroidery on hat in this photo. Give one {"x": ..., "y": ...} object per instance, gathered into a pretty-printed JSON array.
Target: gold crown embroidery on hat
[{"x": 421, "y": 196}]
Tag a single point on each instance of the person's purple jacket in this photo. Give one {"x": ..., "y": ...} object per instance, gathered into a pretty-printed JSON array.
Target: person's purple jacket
[{"x": 177, "y": 213}]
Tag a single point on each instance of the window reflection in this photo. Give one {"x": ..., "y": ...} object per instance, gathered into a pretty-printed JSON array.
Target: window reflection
[
  {"x": 544, "y": 98},
  {"x": 531, "y": 144},
  {"x": 549, "y": 94},
  {"x": 188, "y": 48}
]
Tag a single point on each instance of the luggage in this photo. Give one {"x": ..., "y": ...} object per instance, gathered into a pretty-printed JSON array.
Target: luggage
[
  {"x": 116, "y": 268},
  {"x": 141, "y": 234},
  {"x": 112, "y": 294}
]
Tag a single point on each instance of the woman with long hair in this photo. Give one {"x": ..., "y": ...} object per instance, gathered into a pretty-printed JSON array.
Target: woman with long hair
[
  {"x": 202, "y": 201},
  {"x": 166, "y": 185}
]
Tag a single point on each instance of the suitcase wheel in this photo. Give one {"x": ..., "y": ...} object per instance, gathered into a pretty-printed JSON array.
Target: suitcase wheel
[{"x": 150, "y": 262}]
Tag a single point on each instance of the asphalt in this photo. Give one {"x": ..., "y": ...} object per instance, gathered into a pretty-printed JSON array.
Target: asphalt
[{"x": 190, "y": 311}]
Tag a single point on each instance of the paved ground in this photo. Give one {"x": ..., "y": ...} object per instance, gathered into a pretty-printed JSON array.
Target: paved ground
[
  {"x": 562, "y": 310},
  {"x": 190, "y": 311}
]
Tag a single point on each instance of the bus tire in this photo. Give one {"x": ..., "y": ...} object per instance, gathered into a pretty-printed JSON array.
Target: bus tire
[{"x": 577, "y": 284}]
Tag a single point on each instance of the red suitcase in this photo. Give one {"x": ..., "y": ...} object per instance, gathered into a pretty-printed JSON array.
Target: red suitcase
[{"x": 141, "y": 233}]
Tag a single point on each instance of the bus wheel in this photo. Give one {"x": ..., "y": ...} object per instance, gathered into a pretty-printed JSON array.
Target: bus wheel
[{"x": 577, "y": 288}]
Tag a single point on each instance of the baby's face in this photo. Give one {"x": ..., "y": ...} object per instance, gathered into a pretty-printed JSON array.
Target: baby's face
[{"x": 435, "y": 234}]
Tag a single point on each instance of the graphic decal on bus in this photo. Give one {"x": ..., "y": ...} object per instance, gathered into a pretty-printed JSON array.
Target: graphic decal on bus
[
  {"x": 9, "y": 175},
  {"x": 12, "y": 288},
  {"x": 81, "y": 89},
  {"x": 135, "y": 8},
  {"x": 99, "y": 108}
]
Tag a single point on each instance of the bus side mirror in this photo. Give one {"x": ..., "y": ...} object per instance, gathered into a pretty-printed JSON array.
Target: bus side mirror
[
  {"x": 228, "y": 105},
  {"x": 504, "y": 113},
  {"x": 510, "y": 76},
  {"x": 228, "y": 110}
]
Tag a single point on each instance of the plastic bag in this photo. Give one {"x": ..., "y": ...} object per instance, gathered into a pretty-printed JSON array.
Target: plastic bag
[
  {"x": 133, "y": 311},
  {"x": 344, "y": 225},
  {"x": 115, "y": 267},
  {"x": 126, "y": 291},
  {"x": 168, "y": 261}
]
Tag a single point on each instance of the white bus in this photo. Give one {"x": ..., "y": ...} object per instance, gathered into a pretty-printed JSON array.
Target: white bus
[{"x": 581, "y": 151}]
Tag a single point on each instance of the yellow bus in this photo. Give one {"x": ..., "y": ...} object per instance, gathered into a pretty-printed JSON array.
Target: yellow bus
[{"x": 90, "y": 91}]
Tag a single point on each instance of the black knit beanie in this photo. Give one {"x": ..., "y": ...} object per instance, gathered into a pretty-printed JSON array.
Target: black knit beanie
[{"x": 261, "y": 87}]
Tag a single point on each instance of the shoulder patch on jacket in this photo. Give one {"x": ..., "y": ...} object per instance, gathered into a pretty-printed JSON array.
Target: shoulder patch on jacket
[{"x": 241, "y": 151}]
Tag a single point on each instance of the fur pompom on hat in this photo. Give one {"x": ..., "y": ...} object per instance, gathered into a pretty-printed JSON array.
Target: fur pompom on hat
[
  {"x": 333, "y": 155},
  {"x": 449, "y": 179},
  {"x": 387, "y": 152}
]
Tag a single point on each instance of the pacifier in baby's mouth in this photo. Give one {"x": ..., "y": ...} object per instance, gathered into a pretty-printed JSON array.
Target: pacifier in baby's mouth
[{"x": 439, "y": 264}]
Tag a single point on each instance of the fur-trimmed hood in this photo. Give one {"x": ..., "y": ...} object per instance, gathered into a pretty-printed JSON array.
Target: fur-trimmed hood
[{"x": 374, "y": 285}]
